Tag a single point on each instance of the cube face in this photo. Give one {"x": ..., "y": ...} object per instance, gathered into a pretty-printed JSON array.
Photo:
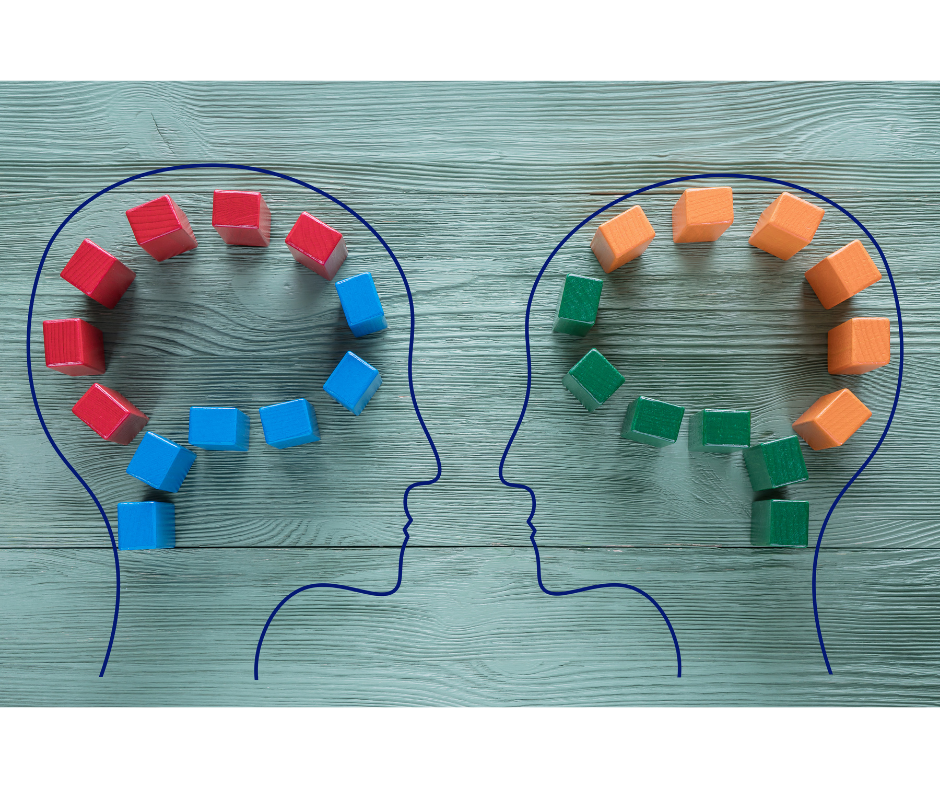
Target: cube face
[
  {"x": 593, "y": 380},
  {"x": 161, "y": 228},
  {"x": 109, "y": 414},
  {"x": 316, "y": 245},
  {"x": 161, "y": 463},
  {"x": 149, "y": 525},
  {"x": 721, "y": 431},
  {"x": 775, "y": 463},
  {"x": 842, "y": 274},
  {"x": 577, "y": 305},
  {"x": 353, "y": 383},
  {"x": 361, "y": 305},
  {"x": 241, "y": 218},
  {"x": 73, "y": 346},
  {"x": 99, "y": 275},
  {"x": 652, "y": 422},
  {"x": 219, "y": 429},
  {"x": 831, "y": 420},
  {"x": 787, "y": 225},
  {"x": 779, "y": 523},
  {"x": 702, "y": 215},
  {"x": 859, "y": 345},
  {"x": 287, "y": 424},
  {"x": 622, "y": 239}
]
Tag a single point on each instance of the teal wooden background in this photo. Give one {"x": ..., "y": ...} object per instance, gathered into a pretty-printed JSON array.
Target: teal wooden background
[{"x": 472, "y": 185}]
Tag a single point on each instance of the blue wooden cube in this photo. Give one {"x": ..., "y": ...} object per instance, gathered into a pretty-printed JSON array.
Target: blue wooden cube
[
  {"x": 150, "y": 525},
  {"x": 161, "y": 463},
  {"x": 218, "y": 429},
  {"x": 353, "y": 383},
  {"x": 361, "y": 305},
  {"x": 289, "y": 423}
]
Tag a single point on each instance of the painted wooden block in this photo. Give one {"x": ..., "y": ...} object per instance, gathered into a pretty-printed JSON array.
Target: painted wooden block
[
  {"x": 622, "y": 239},
  {"x": 653, "y": 422},
  {"x": 831, "y": 420},
  {"x": 161, "y": 228},
  {"x": 73, "y": 346},
  {"x": 702, "y": 215},
  {"x": 721, "y": 431},
  {"x": 786, "y": 226},
  {"x": 241, "y": 218},
  {"x": 775, "y": 463},
  {"x": 593, "y": 380},
  {"x": 361, "y": 305},
  {"x": 577, "y": 305},
  {"x": 109, "y": 414},
  {"x": 218, "y": 429},
  {"x": 859, "y": 345},
  {"x": 353, "y": 383},
  {"x": 99, "y": 275},
  {"x": 148, "y": 525},
  {"x": 779, "y": 523},
  {"x": 292, "y": 423},
  {"x": 161, "y": 463},
  {"x": 316, "y": 245},
  {"x": 842, "y": 274}
]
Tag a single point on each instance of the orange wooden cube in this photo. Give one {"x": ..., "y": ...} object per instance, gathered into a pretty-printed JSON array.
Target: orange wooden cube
[
  {"x": 843, "y": 274},
  {"x": 786, "y": 226},
  {"x": 702, "y": 215},
  {"x": 859, "y": 345},
  {"x": 622, "y": 239},
  {"x": 831, "y": 420}
]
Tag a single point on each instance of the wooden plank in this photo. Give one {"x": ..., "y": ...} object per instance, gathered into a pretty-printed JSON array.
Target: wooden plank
[{"x": 470, "y": 626}]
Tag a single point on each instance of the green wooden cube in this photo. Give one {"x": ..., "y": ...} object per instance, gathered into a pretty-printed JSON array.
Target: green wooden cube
[
  {"x": 721, "y": 431},
  {"x": 651, "y": 421},
  {"x": 780, "y": 523},
  {"x": 577, "y": 305},
  {"x": 593, "y": 379},
  {"x": 775, "y": 463}
]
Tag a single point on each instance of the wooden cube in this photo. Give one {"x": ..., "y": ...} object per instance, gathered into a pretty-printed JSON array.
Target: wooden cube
[
  {"x": 720, "y": 431},
  {"x": 859, "y": 345},
  {"x": 786, "y": 226},
  {"x": 622, "y": 239},
  {"x": 593, "y": 380},
  {"x": 842, "y": 274},
  {"x": 241, "y": 218},
  {"x": 779, "y": 523},
  {"x": 99, "y": 275},
  {"x": 353, "y": 382},
  {"x": 652, "y": 422},
  {"x": 702, "y": 215},
  {"x": 288, "y": 424},
  {"x": 73, "y": 346},
  {"x": 161, "y": 463},
  {"x": 219, "y": 429},
  {"x": 109, "y": 414},
  {"x": 361, "y": 304},
  {"x": 577, "y": 305},
  {"x": 775, "y": 463},
  {"x": 161, "y": 228},
  {"x": 831, "y": 420},
  {"x": 316, "y": 245},
  {"x": 147, "y": 525}
]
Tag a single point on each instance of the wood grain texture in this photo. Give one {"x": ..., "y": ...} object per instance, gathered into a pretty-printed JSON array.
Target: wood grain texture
[{"x": 472, "y": 185}]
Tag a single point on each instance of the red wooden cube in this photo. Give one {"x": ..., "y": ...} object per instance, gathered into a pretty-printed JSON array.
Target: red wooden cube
[
  {"x": 73, "y": 346},
  {"x": 241, "y": 218},
  {"x": 97, "y": 274},
  {"x": 317, "y": 245},
  {"x": 161, "y": 228},
  {"x": 109, "y": 414}
]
